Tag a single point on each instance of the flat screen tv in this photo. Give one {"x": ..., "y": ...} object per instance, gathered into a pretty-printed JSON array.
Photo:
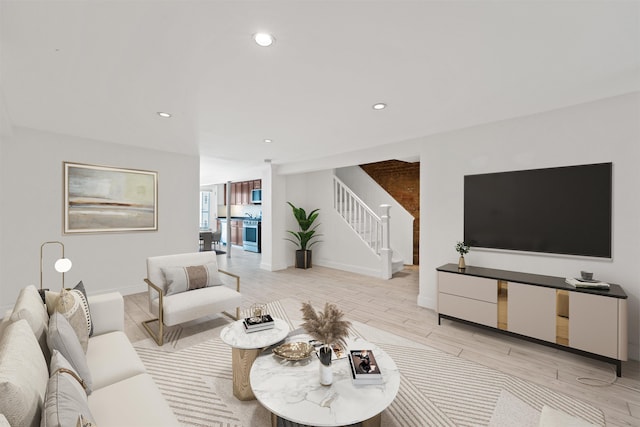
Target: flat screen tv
[{"x": 562, "y": 210}]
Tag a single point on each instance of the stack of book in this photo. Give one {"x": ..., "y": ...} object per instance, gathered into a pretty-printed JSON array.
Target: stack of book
[
  {"x": 364, "y": 367},
  {"x": 260, "y": 323},
  {"x": 582, "y": 283}
]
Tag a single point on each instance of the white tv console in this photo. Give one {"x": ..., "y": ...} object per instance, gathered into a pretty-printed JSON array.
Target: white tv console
[{"x": 538, "y": 308}]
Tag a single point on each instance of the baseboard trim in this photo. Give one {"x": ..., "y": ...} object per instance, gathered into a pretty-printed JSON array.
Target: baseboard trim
[
  {"x": 427, "y": 302},
  {"x": 347, "y": 267}
]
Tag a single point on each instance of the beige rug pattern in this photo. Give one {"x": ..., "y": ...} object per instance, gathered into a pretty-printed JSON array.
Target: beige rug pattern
[{"x": 437, "y": 389}]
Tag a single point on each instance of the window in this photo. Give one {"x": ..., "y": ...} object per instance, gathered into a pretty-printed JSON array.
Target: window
[{"x": 205, "y": 210}]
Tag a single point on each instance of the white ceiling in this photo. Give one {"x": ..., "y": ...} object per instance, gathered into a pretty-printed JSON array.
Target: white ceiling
[{"x": 102, "y": 69}]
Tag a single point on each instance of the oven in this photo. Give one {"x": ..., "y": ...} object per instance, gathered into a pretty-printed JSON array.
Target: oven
[{"x": 251, "y": 235}]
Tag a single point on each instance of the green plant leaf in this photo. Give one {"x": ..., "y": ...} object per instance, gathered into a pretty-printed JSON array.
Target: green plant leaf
[{"x": 306, "y": 227}]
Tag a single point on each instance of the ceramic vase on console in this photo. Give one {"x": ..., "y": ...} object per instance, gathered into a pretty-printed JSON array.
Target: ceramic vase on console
[
  {"x": 326, "y": 374},
  {"x": 461, "y": 264}
]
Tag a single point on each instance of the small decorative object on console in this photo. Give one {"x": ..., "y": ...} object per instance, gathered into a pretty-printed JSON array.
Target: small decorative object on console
[
  {"x": 364, "y": 367},
  {"x": 462, "y": 248},
  {"x": 586, "y": 275}
]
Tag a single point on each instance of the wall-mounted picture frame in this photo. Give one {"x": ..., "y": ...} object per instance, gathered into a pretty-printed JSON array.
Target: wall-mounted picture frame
[{"x": 101, "y": 199}]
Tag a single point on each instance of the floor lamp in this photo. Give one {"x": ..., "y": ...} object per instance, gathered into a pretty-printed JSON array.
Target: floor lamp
[{"x": 62, "y": 265}]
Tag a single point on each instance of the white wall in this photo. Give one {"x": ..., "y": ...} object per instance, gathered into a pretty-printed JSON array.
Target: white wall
[
  {"x": 603, "y": 131},
  {"x": 340, "y": 247},
  {"x": 31, "y": 186},
  {"x": 370, "y": 192}
]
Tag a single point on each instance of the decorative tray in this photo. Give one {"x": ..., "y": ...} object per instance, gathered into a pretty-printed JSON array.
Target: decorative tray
[{"x": 294, "y": 350}]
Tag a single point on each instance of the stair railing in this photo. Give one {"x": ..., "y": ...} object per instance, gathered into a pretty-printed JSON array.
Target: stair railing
[{"x": 358, "y": 215}]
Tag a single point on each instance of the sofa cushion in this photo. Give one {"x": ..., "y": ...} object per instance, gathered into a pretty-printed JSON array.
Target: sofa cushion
[
  {"x": 181, "y": 279},
  {"x": 4, "y": 322},
  {"x": 53, "y": 304},
  {"x": 73, "y": 305},
  {"x": 147, "y": 407},
  {"x": 157, "y": 263},
  {"x": 29, "y": 306},
  {"x": 112, "y": 358},
  {"x": 186, "y": 306},
  {"x": 66, "y": 399},
  {"x": 63, "y": 338},
  {"x": 23, "y": 375},
  {"x": 84, "y": 422}
]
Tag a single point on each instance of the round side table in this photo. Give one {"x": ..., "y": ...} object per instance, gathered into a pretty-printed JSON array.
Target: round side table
[{"x": 245, "y": 348}]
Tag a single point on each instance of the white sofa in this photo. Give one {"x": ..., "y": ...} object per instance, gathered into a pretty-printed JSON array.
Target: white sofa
[{"x": 123, "y": 393}]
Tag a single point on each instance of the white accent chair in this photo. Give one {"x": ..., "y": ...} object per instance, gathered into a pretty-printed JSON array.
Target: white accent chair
[{"x": 190, "y": 305}]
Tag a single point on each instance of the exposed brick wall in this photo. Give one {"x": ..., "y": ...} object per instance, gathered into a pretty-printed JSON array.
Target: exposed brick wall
[{"x": 402, "y": 181}]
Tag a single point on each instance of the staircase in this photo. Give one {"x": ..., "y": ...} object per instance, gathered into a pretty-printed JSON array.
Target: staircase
[{"x": 372, "y": 229}]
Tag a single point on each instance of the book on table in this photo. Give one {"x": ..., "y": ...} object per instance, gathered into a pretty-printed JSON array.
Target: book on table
[
  {"x": 364, "y": 367},
  {"x": 254, "y": 324},
  {"x": 587, "y": 284}
]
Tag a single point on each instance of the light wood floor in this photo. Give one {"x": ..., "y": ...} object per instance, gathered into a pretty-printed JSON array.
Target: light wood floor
[{"x": 391, "y": 305}]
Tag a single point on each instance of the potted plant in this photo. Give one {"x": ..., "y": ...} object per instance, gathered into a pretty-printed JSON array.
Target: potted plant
[
  {"x": 304, "y": 237},
  {"x": 462, "y": 248}
]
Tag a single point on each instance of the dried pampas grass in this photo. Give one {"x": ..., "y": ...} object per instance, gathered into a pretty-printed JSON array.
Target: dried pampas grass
[{"x": 326, "y": 327}]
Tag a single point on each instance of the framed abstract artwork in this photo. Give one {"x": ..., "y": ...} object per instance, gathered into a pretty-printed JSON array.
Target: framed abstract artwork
[{"x": 106, "y": 199}]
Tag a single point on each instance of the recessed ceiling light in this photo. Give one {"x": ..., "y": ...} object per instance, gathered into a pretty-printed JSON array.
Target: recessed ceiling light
[
  {"x": 163, "y": 114},
  {"x": 264, "y": 39},
  {"x": 379, "y": 106},
  {"x": 268, "y": 140}
]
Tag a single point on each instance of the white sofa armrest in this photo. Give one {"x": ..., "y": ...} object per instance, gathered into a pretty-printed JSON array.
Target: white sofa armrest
[{"x": 107, "y": 312}]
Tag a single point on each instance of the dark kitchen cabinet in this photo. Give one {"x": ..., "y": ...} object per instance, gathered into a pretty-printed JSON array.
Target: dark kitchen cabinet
[{"x": 241, "y": 191}]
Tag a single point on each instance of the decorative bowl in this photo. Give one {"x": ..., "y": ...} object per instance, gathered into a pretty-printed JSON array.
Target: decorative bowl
[{"x": 294, "y": 351}]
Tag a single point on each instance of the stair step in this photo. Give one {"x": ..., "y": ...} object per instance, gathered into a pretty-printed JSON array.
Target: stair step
[{"x": 397, "y": 265}]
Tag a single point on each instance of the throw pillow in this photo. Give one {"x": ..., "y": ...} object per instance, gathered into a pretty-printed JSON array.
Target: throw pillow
[
  {"x": 63, "y": 338},
  {"x": 181, "y": 279},
  {"x": 29, "y": 306},
  {"x": 4, "y": 422},
  {"x": 65, "y": 398},
  {"x": 51, "y": 300},
  {"x": 72, "y": 303},
  {"x": 84, "y": 422},
  {"x": 23, "y": 375}
]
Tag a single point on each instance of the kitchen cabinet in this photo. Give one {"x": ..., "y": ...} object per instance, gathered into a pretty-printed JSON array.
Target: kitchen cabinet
[
  {"x": 241, "y": 191},
  {"x": 245, "y": 192},
  {"x": 236, "y": 232}
]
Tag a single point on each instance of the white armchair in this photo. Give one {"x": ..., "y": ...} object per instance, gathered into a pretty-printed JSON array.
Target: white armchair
[{"x": 173, "y": 306}]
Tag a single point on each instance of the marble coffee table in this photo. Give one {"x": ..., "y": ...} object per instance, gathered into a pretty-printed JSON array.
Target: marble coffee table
[
  {"x": 245, "y": 348},
  {"x": 292, "y": 390}
]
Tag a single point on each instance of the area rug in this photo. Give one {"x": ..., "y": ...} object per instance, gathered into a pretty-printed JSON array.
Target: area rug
[
  {"x": 437, "y": 389},
  {"x": 187, "y": 334}
]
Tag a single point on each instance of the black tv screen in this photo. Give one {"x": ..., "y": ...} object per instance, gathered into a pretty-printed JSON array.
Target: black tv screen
[{"x": 563, "y": 210}]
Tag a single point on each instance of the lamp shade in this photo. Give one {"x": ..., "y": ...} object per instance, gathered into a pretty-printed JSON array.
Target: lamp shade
[{"x": 62, "y": 265}]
